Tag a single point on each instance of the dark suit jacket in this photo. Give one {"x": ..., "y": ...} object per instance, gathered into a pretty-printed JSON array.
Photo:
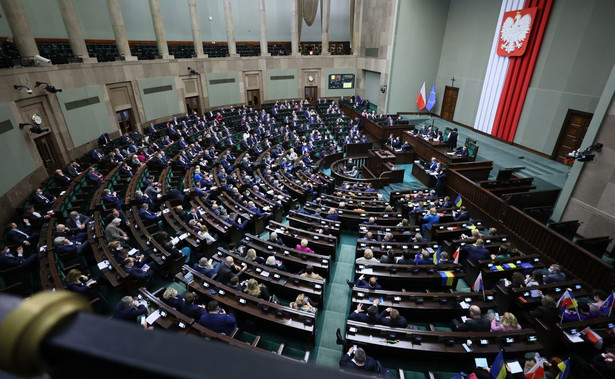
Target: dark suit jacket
[
  {"x": 475, "y": 325},
  {"x": 225, "y": 273},
  {"x": 369, "y": 366},
  {"x": 476, "y": 253},
  {"x": 192, "y": 310},
  {"x": 219, "y": 323},
  {"x": 128, "y": 314},
  {"x": 72, "y": 225}
]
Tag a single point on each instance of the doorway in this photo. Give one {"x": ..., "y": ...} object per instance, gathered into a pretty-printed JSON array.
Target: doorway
[
  {"x": 254, "y": 97},
  {"x": 572, "y": 134},
  {"x": 47, "y": 151},
  {"x": 125, "y": 120},
  {"x": 311, "y": 93},
  {"x": 449, "y": 102},
  {"x": 192, "y": 105}
]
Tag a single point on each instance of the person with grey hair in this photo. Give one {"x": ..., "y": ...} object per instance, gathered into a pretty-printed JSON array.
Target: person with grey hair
[
  {"x": 358, "y": 360},
  {"x": 114, "y": 233},
  {"x": 148, "y": 216},
  {"x": 64, "y": 246},
  {"x": 274, "y": 238},
  {"x": 77, "y": 222},
  {"x": 128, "y": 309},
  {"x": 228, "y": 269}
]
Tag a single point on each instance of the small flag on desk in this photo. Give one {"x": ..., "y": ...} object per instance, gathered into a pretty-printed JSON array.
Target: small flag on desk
[
  {"x": 447, "y": 278},
  {"x": 437, "y": 255},
  {"x": 608, "y": 305},
  {"x": 564, "y": 367},
  {"x": 420, "y": 100},
  {"x": 498, "y": 368},
  {"x": 458, "y": 201},
  {"x": 478, "y": 283},
  {"x": 456, "y": 256},
  {"x": 536, "y": 372},
  {"x": 593, "y": 337},
  {"x": 567, "y": 301}
]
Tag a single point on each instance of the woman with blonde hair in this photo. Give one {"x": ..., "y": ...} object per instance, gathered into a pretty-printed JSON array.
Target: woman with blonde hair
[
  {"x": 508, "y": 322},
  {"x": 303, "y": 246},
  {"x": 432, "y": 217},
  {"x": 257, "y": 290},
  {"x": 303, "y": 303},
  {"x": 205, "y": 236}
]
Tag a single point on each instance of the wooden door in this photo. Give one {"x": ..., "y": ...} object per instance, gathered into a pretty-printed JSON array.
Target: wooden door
[
  {"x": 254, "y": 97},
  {"x": 192, "y": 105},
  {"x": 572, "y": 134},
  {"x": 125, "y": 120},
  {"x": 449, "y": 102},
  {"x": 311, "y": 93},
  {"x": 47, "y": 151}
]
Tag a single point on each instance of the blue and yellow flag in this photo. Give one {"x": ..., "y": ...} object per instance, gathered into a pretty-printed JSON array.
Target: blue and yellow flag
[
  {"x": 458, "y": 201},
  {"x": 447, "y": 278},
  {"x": 498, "y": 369},
  {"x": 437, "y": 255},
  {"x": 564, "y": 367}
]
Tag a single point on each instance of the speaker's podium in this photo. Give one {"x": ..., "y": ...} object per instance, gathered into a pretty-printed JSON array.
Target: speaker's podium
[{"x": 381, "y": 164}]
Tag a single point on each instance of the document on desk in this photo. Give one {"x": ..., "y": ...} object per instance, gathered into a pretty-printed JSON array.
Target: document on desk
[
  {"x": 574, "y": 338},
  {"x": 265, "y": 274},
  {"x": 464, "y": 305},
  {"x": 514, "y": 367},
  {"x": 102, "y": 265},
  {"x": 155, "y": 315},
  {"x": 367, "y": 270}
]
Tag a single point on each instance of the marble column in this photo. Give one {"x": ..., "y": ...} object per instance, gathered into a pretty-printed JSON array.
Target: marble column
[
  {"x": 20, "y": 28},
  {"x": 326, "y": 7},
  {"x": 230, "y": 29},
  {"x": 294, "y": 28},
  {"x": 356, "y": 29},
  {"x": 161, "y": 37},
  {"x": 119, "y": 31},
  {"x": 196, "y": 29},
  {"x": 73, "y": 30},
  {"x": 263, "y": 18}
]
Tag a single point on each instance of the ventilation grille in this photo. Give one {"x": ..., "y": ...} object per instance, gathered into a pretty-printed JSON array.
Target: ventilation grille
[
  {"x": 283, "y": 77},
  {"x": 81, "y": 103},
  {"x": 221, "y": 81},
  {"x": 148, "y": 91}
]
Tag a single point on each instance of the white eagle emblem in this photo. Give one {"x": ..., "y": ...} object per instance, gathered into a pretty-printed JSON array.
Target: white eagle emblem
[{"x": 515, "y": 31}]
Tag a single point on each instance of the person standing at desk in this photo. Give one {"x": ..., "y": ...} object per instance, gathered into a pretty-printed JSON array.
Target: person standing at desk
[{"x": 452, "y": 139}]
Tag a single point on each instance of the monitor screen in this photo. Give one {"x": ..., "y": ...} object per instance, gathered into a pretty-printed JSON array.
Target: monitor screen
[{"x": 341, "y": 81}]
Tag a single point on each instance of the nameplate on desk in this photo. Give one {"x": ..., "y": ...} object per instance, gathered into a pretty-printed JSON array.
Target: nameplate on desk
[
  {"x": 183, "y": 236},
  {"x": 167, "y": 210}
]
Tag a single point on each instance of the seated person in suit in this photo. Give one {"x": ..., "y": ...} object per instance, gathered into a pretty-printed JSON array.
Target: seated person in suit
[
  {"x": 20, "y": 236},
  {"x": 274, "y": 238},
  {"x": 190, "y": 309},
  {"x": 217, "y": 320},
  {"x": 371, "y": 316},
  {"x": 254, "y": 288},
  {"x": 129, "y": 309},
  {"x": 372, "y": 284},
  {"x": 332, "y": 214},
  {"x": 228, "y": 269},
  {"x": 64, "y": 246},
  {"x": 137, "y": 272},
  {"x": 204, "y": 267},
  {"x": 94, "y": 176},
  {"x": 554, "y": 274},
  {"x": 461, "y": 215},
  {"x": 77, "y": 222},
  {"x": 358, "y": 360},
  {"x": 147, "y": 216},
  {"x": 9, "y": 260},
  {"x": 476, "y": 252},
  {"x": 475, "y": 323},
  {"x": 391, "y": 317},
  {"x": 62, "y": 180},
  {"x": 463, "y": 153},
  {"x": 34, "y": 219},
  {"x": 110, "y": 198},
  {"x": 170, "y": 297},
  {"x": 113, "y": 232},
  {"x": 43, "y": 200}
]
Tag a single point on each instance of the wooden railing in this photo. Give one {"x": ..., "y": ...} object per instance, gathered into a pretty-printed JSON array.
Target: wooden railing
[{"x": 531, "y": 235}]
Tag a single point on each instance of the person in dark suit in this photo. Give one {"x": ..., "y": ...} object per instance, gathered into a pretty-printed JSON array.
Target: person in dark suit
[
  {"x": 391, "y": 317},
  {"x": 475, "y": 323},
  {"x": 476, "y": 252},
  {"x": 332, "y": 215},
  {"x": 64, "y": 246},
  {"x": 217, "y": 320},
  {"x": 371, "y": 316},
  {"x": 73, "y": 169},
  {"x": 358, "y": 360},
  {"x": 547, "y": 311},
  {"x": 9, "y": 260},
  {"x": 228, "y": 270},
  {"x": 104, "y": 139},
  {"x": 461, "y": 215},
  {"x": 190, "y": 309},
  {"x": 148, "y": 216},
  {"x": 372, "y": 284},
  {"x": 452, "y": 139},
  {"x": 204, "y": 268},
  {"x": 170, "y": 297},
  {"x": 134, "y": 271},
  {"x": 129, "y": 309},
  {"x": 34, "y": 219},
  {"x": 77, "y": 222},
  {"x": 463, "y": 153},
  {"x": 21, "y": 237},
  {"x": 111, "y": 199},
  {"x": 94, "y": 176},
  {"x": 554, "y": 275}
]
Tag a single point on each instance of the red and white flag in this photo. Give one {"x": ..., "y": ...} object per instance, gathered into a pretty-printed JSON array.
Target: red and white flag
[
  {"x": 456, "y": 256},
  {"x": 420, "y": 101},
  {"x": 536, "y": 372}
]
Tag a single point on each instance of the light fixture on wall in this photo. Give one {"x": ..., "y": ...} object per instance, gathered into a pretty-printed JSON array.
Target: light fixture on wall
[
  {"x": 383, "y": 89},
  {"x": 48, "y": 87},
  {"x": 192, "y": 72},
  {"x": 23, "y": 88},
  {"x": 36, "y": 129}
]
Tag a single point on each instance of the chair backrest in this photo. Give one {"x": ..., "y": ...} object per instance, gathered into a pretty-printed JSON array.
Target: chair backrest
[
  {"x": 470, "y": 140},
  {"x": 472, "y": 150},
  {"x": 447, "y": 133}
]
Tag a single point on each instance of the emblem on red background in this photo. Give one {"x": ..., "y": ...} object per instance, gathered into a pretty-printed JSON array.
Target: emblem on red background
[{"x": 515, "y": 32}]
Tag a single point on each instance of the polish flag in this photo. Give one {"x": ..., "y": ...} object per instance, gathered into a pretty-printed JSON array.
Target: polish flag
[
  {"x": 420, "y": 101},
  {"x": 536, "y": 372},
  {"x": 456, "y": 256}
]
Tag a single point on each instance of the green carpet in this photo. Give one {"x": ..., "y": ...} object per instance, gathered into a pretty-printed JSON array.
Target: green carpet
[{"x": 337, "y": 303}]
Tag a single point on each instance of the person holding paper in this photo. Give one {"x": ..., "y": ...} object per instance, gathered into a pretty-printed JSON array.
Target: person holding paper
[
  {"x": 476, "y": 323},
  {"x": 128, "y": 309}
]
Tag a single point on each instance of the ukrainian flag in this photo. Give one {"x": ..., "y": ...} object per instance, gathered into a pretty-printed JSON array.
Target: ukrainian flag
[
  {"x": 498, "y": 369},
  {"x": 564, "y": 367},
  {"x": 437, "y": 255},
  {"x": 447, "y": 278},
  {"x": 458, "y": 201}
]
